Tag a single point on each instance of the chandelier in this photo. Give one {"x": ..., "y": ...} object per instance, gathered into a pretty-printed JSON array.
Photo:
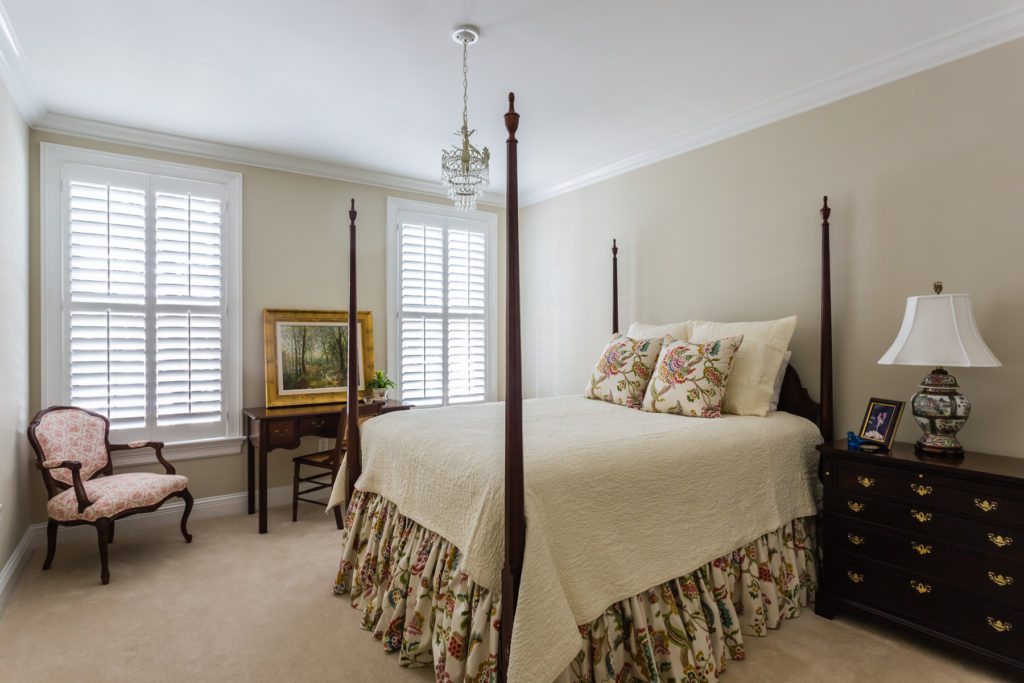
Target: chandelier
[{"x": 464, "y": 168}]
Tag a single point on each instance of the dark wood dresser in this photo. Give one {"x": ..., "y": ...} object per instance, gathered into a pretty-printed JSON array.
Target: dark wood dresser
[{"x": 936, "y": 545}]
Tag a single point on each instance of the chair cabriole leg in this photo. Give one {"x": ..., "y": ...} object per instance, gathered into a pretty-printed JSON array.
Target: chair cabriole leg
[
  {"x": 51, "y": 542},
  {"x": 103, "y": 531},
  {"x": 184, "y": 517}
]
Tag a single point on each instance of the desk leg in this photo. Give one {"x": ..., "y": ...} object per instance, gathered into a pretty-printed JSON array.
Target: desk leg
[
  {"x": 263, "y": 475},
  {"x": 250, "y": 466}
]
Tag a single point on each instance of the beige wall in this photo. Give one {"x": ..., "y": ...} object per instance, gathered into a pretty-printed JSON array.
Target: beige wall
[
  {"x": 14, "y": 331},
  {"x": 295, "y": 255},
  {"x": 925, "y": 176}
]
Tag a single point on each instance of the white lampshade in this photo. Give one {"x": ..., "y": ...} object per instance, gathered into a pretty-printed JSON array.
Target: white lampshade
[{"x": 939, "y": 330}]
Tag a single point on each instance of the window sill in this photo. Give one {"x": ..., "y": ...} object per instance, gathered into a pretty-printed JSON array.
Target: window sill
[{"x": 182, "y": 450}]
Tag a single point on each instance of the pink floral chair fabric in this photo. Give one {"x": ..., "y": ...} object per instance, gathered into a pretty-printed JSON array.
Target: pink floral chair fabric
[{"x": 73, "y": 450}]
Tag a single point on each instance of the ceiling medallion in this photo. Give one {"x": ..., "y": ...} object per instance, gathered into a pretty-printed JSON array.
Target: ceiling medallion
[{"x": 464, "y": 167}]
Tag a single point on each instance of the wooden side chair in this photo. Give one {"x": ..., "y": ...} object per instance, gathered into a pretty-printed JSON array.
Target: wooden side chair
[
  {"x": 328, "y": 462},
  {"x": 73, "y": 450}
]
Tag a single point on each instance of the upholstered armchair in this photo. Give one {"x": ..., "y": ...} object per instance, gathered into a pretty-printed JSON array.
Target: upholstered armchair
[{"x": 73, "y": 450}]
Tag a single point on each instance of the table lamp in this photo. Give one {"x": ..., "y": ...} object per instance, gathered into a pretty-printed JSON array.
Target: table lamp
[{"x": 939, "y": 330}]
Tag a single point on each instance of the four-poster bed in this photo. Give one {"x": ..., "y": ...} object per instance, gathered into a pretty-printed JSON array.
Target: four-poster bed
[{"x": 427, "y": 576}]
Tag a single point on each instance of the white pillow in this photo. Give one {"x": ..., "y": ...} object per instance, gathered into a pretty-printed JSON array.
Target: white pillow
[
  {"x": 778, "y": 382},
  {"x": 756, "y": 364},
  {"x": 649, "y": 331}
]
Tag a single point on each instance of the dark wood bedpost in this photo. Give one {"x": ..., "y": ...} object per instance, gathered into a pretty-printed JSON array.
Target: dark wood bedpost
[
  {"x": 615, "y": 288},
  {"x": 353, "y": 460},
  {"x": 515, "y": 514},
  {"x": 826, "y": 327}
]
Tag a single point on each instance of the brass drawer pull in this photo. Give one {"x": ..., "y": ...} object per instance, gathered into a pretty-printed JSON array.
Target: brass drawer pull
[
  {"x": 1000, "y": 580},
  {"x": 1000, "y": 541},
  {"x": 921, "y": 489},
  {"x": 986, "y": 505},
  {"x": 866, "y": 482},
  {"x": 921, "y": 516},
  {"x": 921, "y": 588},
  {"x": 319, "y": 423},
  {"x": 1000, "y": 625},
  {"x": 280, "y": 431},
  {"x": 855, "y": 539},
  {"x": 921, "y": 548},
  {"x": 854, "y": 576},
  {"x": 856, "y": 507}
]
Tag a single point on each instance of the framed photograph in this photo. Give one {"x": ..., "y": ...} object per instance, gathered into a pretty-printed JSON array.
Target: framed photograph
[
  {"x": 306, "y": 355},
  {"x": 881, "y": 421}
]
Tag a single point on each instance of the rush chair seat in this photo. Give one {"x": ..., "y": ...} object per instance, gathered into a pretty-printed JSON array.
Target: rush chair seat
[
  {"x": 327, "y": 462},
  {"x": 73, "y": 448}
]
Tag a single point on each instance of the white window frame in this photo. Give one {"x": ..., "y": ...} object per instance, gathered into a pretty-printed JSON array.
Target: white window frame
[
  {"x": 490, "y": 220},
  {"x": 54, "y": 250}
]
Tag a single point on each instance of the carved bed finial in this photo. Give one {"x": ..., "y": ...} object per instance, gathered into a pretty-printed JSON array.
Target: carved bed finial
[
  {"x": 511, "y": 118},
  {"x": 825, "y": 210}
]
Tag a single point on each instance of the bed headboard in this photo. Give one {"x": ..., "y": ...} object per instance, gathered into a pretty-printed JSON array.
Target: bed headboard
[{"x": 794, "y": 397}]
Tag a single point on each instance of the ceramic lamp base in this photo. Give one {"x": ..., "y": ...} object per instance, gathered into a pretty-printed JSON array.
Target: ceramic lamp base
[{"x": 941, "y": 411}]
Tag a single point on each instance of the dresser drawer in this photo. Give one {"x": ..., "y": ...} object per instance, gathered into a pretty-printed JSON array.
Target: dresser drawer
[
  {"x": 321, "y": 425},
  {"x": 281, "y": 433},
  {"x": 927, "y": 522},
  {"x": 987, "y": 501},
  {"x": 991, "y": 625},
  {"x": 994, "y": 579}
]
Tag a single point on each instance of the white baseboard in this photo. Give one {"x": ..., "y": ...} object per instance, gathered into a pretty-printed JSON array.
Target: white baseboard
[
  {"x": 16, "y": 565},
  {"x": 203, "y": 508}
]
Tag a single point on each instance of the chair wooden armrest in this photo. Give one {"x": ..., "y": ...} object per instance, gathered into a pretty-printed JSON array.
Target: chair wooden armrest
[
  {"x": 157, "y": 447},
  {"x": 76, "y": 479}
]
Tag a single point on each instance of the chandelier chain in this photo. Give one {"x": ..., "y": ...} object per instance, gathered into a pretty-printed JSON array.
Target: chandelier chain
[{"x": 465, "y": 82}]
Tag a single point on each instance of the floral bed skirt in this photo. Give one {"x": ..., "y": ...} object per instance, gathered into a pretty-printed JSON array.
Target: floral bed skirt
[{"x": 414, "y": 599}]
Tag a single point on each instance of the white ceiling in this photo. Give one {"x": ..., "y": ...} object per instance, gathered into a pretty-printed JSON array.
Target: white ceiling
[{"x": 602, "y": 85}]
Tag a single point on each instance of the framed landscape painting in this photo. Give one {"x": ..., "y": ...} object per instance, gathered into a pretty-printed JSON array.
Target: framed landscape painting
[{"x": 306, "y": 355}]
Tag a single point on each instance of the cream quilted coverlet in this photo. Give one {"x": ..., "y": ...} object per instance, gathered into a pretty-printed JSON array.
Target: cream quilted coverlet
[{"x": 617, "y": 500}]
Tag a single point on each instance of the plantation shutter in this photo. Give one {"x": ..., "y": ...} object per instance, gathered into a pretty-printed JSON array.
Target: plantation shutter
[
  {"x": 107, "y": 286},
  {"x": 144, "y": 303},
  {"x": 188, "y": 299},
  {"x": 467, "y": 331},
  {"x": 442, "y": 309}
]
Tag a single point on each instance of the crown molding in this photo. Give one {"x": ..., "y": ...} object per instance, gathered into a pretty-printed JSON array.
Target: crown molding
[
  {"x": 114, "y": 133},
  {"x": 15, "y": 74},
  {"x": 956, "y": 44}
]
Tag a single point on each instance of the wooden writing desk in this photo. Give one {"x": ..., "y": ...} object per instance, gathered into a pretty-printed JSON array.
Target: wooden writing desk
[{"x": 267, "y": 429}]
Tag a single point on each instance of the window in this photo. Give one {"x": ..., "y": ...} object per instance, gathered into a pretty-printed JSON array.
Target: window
[
  {"x": 442, "y": 302},
  {"x": 141, "y": 290}
]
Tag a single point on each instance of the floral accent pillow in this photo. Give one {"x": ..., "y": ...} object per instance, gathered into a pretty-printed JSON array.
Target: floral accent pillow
[
  {"x": 623, "y": 371},
  {"x": 690, "y": 378}
]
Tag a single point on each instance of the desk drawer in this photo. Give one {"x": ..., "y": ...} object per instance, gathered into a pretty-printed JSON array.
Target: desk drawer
[
  {"x": 927, "y": 522},
  {"x": 281, "y": 433},
  {"x": 991, "y": 625},
  {"x": 321, "y": 425},
  {"x": 988, "y": 501},
  {"x": 994, "y": 579}
]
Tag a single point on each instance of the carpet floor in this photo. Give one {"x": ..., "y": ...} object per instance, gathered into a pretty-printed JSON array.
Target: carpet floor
[{"x": 237, "y": 606}]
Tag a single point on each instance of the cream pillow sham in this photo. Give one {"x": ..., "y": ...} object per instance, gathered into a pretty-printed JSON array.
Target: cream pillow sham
[
  {"x": 757, "y": 363},
  {"x": 649, "y": 331}
]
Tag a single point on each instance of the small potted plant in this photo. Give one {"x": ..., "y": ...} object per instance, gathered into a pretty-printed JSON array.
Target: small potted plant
[{"x": 378, "y": 385}]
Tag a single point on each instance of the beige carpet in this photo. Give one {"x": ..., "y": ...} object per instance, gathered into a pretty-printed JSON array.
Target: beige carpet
[{"x": 237, "y": 606}]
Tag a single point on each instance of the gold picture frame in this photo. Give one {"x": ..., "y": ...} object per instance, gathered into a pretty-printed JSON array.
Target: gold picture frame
[{"x": 306, "y": 355}]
